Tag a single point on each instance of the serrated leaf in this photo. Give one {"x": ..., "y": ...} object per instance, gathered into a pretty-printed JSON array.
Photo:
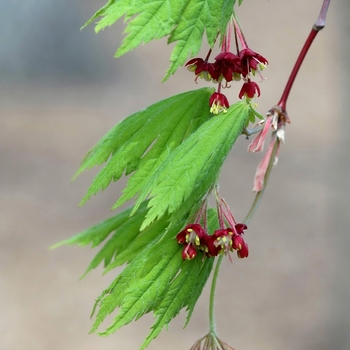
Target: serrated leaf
[
  {"x": 187, "y": 119},
  {"x": 135, "y": 290},
  {"x": 155, "y": 20},
  {"x": 183, "y": 291},
  {"x": 184, "y": 21},
  {"x": 96, "y": 234},
  {"x": 125, "y": 241},
  {"x": 198, "y": 16},
  {"x": 145, "y": 237},
  {"x": 157, "y": 281},
  {"x": 192, "y": 168},
  {"x": 141, "y": 141},
  {"x": 226, "y": 13},
  {"x": 110, "y": 13},
  {"x": 111, "y": 142}
]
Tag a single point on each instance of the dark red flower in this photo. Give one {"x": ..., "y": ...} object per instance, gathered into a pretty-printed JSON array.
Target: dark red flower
[
  {"x": 243, "y": 252},
  {"x": 249, "y": 89},
  {"x": 219, "y": 242},
  {"x": 201, "y": 68},
  {"x": 210, "y": 248},
  {"x": 227, "y": 65},
  {"x": 192, "y": 236},
  {"x": 240, "y": 228},
  {"x": 218, "y": 103},
  {"x": 189, "y": 252},
  {"x": 195, "y": 65},
  {"x": 237, "y": 242},
  {"x": 192, "y": 233},
  {"x": 251, "y": 61}
]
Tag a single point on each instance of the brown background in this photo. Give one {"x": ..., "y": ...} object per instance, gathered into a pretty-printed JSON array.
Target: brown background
[{"x": 61, "y": 90}]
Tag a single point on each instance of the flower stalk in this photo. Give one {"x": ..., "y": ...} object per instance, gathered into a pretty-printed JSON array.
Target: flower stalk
[
  {"x": 211, "y": 341},
  {"x": 319, "y": 24}
]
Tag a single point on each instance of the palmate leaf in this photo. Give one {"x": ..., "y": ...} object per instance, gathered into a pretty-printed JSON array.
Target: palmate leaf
[
  {"x": 143, "y": 140},
  {"x": 191, "y": 169},
  {"x": 125, "y": 240},
  {"x": 96, "y": 234},
  {"x": 197, "y": 17},
  {"x": 157, "y": 280},
  {"x": 184, "y": 21}
]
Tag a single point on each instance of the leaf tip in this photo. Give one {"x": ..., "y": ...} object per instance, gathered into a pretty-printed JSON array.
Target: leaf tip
[{"x": 56, "y": 245}]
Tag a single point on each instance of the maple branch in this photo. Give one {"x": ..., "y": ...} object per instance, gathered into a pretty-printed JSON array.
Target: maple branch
[{"x": 319, "y": 24}]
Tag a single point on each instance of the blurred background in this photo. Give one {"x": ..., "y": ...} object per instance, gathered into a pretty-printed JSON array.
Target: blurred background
[{"x": 61, "y": 90}]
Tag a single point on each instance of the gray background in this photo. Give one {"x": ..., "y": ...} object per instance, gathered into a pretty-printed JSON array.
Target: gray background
[{"x": 61, "y": 90}]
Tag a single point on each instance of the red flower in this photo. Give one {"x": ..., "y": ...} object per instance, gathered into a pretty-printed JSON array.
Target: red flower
[
  {"x": 192, "y": 233},
  {"x": 225, "y": 240},
  {"x": 249, "y": 89},
  {"x": 192, "y": 236},
  {"x": 227, "y": 65},
  {"x": 238, "y": 242},
  {"x": 220, "y": 241},
  {"x": 251, "y": 61},
  {"x": 243, "y": 252},
  {"x": 240, "y": 228},
  {"x": 218, "y": 103},
  {"x": 189, "y": 252},
  {"x": 201, "y": 68}
]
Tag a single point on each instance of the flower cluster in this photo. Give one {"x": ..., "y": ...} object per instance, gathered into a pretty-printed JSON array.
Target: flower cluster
[
  {"x": 229, "y": 67},
  {"x": 193, "y": 237}
]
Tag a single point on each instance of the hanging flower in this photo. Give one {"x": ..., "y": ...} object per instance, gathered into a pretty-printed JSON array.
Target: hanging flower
[
  {"x": 249, "y": 89},
  {"x": 251, "y": 62},
  {"x": 201, "y": 68},
  {"x": 219, "y": 242},
  {"x": 192, "y": 237},
  {"x": 243, "y": 252},
  {"x": 227, "y": 66},
  {"x": 218, "y": 103},
  {"x": 189, "y": 252},
  {"x": 223, "y": 241}
]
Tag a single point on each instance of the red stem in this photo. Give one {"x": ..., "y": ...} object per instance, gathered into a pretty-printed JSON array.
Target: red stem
[
  {"x": 240, "y": 34},
  {"x": 319, "y": 24}
]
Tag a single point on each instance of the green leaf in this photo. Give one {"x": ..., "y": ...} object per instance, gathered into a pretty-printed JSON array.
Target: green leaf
[
  {"x": 126, "y": 241},
  {"x": 211, "y": 16},
  {"x": 183, "y": 291},
  {"x": 183, "y": 21},
  {"x": 157, "y": 280},
  {"x": 151, "y": 234},
  {"x": 192, "y": 168},
  {"x": 96, "y": 234},
  {"x": 253, "y": 116},
  {"x": 143, "y": 140},
  {"x": 139, "y": 288},
  {"x": 226, "y": 13}
]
